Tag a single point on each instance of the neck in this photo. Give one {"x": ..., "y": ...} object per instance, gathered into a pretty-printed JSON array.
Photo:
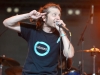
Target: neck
[{"x": 48, "y": 29}]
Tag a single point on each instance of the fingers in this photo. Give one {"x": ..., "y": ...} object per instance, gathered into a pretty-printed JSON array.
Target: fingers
[
  {"x": 35, "y": 15},
  {"x": 42, "y": 14},
  {"x": 59, "y": 22}
]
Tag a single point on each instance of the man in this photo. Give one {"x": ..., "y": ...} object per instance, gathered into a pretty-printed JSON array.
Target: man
[{"x": 43, "y": 40}]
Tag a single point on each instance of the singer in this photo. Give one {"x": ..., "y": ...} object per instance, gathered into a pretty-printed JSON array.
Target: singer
[{"x": 42, "y": 38}]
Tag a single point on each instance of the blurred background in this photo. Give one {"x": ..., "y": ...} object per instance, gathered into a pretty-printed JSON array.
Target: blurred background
[{"x": 82, "y": 17}]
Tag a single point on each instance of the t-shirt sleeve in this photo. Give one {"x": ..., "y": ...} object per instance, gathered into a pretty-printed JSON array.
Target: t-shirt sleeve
[{"x": 26, "y": 30}]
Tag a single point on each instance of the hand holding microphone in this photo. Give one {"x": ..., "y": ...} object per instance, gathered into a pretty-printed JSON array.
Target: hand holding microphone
[{"x": 61, "y": 24}]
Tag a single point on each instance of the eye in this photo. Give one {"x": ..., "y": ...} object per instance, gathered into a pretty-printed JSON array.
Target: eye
[{"x": 54, "y": 14}]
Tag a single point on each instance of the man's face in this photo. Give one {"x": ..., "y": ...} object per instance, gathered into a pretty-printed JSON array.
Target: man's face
[{"x": 53, "y": 15}]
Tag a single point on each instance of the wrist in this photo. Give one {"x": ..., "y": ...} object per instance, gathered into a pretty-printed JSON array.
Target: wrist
[
  {"x": 61, "y": 35},
  {"x": 28, "y": 15}
]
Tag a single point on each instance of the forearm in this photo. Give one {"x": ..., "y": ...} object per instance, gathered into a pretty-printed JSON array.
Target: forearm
[
  {"x": 12, "y": 21},
  {"x": 68, "y": 48}
]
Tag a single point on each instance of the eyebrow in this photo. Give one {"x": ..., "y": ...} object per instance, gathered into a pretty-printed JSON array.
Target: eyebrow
[{"x": 58, "y": 14}]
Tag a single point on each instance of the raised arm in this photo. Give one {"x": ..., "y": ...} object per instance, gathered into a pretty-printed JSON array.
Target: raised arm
[{"x": 14, "y": 21}]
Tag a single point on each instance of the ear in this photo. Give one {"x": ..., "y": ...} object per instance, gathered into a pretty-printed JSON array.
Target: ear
[{"x": 44, "y": 18}]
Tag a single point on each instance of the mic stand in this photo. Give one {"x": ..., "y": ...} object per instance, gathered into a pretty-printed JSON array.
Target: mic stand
[
  {"x": 94, "y": 56},
  {"x": 1, "y": 62},
  {"x": 1, "y": 65},
  {"x": 1, "y": 68},
  {"x": 81, "y": 40},
  {"x": 4, "y": 31},
  {"x": 82, "y": 61}
]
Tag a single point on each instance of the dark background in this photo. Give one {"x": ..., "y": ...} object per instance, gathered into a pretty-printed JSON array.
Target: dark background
[{"x": 13, "y": 46}]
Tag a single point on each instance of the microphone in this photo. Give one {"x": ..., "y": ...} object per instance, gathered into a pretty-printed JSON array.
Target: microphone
[
  {"x": 92, "y": 13},
  {"x": 63, "y": 27}
]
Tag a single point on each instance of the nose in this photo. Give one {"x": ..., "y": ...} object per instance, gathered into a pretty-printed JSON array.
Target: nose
[{"x": 58, "y": 17}]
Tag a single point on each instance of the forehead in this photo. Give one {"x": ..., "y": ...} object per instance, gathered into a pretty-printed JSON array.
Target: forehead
[{"x": 54, "y": 10}]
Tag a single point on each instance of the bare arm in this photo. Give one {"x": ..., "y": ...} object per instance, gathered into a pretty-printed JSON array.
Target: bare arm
[
  {"x": 14, "y": 21},
  {"x": 68, "y": 48}
]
